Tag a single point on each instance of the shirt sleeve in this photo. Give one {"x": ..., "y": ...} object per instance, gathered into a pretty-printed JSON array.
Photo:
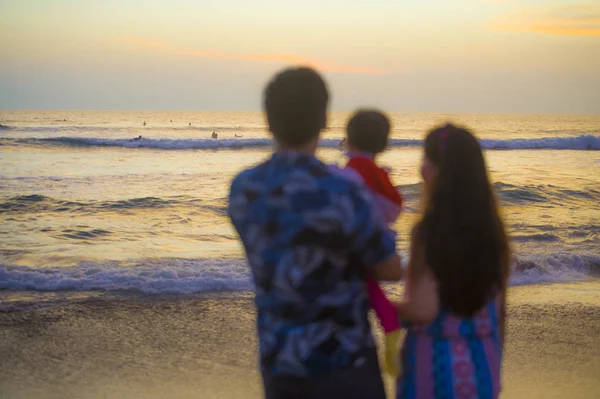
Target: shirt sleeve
[
  {"x": 369, "y": 237},
  {"x": 236, "y": 206}
]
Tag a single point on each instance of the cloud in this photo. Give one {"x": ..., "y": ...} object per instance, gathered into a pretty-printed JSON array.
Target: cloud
[
  {"x": 322, "y": 65},
  {"x": 566, "y": 20}
]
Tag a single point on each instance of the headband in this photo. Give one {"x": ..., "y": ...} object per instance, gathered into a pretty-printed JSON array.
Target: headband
[{"x": 443, "y": 137}]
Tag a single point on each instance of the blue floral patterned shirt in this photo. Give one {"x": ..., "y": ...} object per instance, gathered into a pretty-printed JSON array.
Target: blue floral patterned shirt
[{"x": 309, "y": 236}]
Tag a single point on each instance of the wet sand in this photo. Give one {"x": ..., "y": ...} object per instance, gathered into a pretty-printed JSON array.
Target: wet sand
[{"x": 205, "y": 346}]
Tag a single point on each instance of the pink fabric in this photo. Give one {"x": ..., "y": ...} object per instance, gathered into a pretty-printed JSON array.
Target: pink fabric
[
  {"x": 463, "y": 381},
  {"x": 459, "y": 364},
  {"x": 452, "y": 326},
  {"x": 493, "y": 357},
  {"x": 385, "y": 311},
  {"x": 424, "y": 368}
]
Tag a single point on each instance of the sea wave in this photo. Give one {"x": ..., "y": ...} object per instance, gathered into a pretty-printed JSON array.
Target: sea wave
[
  {"x": 553, "y": 268},
  {"x": 61, "y": 125},
  {"x": 516, "y": 195},
  {"x": 509, "y": 195},
  {"x": 164, "y": 144},
  {"x": 173, "y": 276},
  {"x": 582, "y": 142},
  {"x": 62, "y": 128},
  {"x": 35, "y": 203},
  {"x": 185, "y": 276}
]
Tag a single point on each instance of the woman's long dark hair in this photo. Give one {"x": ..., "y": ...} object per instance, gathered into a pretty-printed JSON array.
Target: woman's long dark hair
[{"x": 461, "y": 232}]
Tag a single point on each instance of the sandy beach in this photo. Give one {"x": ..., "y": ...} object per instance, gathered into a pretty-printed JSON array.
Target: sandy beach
[
  {"x": 131, "y": 237},
  {"x": 205, "y": 347}
]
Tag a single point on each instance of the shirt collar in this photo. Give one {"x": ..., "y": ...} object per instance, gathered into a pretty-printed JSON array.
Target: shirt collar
[{"x": 291, "y": 156}]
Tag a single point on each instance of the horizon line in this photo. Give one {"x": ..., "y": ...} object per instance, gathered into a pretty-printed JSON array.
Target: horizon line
[{"x": 262, "y": 111}]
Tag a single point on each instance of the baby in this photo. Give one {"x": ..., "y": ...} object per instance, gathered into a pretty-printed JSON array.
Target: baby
[{"x": 367, "y": 136}]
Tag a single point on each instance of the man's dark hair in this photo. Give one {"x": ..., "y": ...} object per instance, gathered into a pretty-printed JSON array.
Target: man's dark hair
[
  {"x": 296, "y": 105},
  {"x": 368, "y": 131}
]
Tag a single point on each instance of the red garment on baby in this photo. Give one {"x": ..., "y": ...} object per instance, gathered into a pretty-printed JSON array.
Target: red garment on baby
[
  {"x": 387, "y": 198},
  {"x": 389, "y": 201}
]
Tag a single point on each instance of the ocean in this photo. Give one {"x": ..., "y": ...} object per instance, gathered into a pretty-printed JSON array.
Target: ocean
[
  {"x": 121, "y": 276},
  {"x": 85, "y": 208}
]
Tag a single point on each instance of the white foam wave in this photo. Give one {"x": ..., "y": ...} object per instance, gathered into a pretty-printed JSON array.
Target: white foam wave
[
  {"x": 182, "y": 276},
  {"x": 553, "y": 268},
  {"x": 58, "y": 128},
  {"x": 166, "y": 144},
  {"x": 583, "y": 142},
  {"x": 175, "y": 276}
]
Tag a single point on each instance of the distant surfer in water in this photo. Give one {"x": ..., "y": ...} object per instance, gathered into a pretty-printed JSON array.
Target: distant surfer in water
[
  {"x": 138, "y": 138},
  {"x": 241, "y": 135},
  {"x": 214, "y": 135}
]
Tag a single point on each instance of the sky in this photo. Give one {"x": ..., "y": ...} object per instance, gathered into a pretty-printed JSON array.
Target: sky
[{"x": 497, "y": 56}]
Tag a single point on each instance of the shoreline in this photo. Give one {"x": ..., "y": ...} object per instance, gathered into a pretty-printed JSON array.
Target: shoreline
[{"x": 204, "y": 346}]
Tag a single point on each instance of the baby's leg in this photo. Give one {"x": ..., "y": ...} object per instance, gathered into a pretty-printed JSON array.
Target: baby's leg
[
  {"x": 384, "y": 309},
  {"x": 388, "y": 318}
]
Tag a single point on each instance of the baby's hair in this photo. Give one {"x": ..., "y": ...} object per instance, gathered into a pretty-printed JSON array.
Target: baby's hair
[{"x": 368, "y": 131}]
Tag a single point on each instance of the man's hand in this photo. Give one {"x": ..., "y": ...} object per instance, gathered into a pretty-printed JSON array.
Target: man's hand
[{"x": 389, "y": 270}]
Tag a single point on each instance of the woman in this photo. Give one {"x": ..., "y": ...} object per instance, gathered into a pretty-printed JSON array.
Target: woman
[{"x": 454, "y": 306}]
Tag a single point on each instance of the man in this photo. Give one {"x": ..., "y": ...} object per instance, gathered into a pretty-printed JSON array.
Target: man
[{"x": 310, "y": 238}]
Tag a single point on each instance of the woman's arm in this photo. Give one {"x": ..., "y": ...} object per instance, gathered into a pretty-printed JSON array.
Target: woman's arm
[
  {"x": 421, "y": 298},
  {"x": 421, "y": 302}
]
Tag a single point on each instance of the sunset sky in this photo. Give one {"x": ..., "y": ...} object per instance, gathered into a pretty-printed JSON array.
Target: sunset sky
[{"x": 525, "y": 56}]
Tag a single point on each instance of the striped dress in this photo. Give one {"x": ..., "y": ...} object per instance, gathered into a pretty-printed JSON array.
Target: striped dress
[{"x": 453, "y": 358}]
